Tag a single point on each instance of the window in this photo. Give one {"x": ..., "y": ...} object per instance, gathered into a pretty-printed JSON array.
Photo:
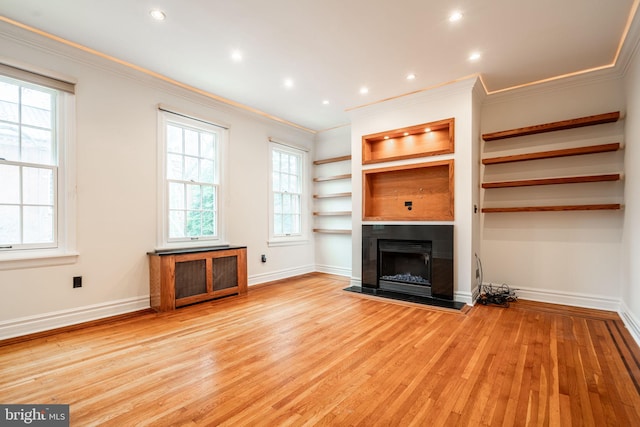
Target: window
[
  {"x": 288, "y": 193},
  {"x": 35, "y": 214},
  {"x": 191, "y": 187}
]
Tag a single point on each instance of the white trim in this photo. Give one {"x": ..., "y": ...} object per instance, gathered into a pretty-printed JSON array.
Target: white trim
[
  {"x": 36, "y": 258},
  {"x": 463, "y": 296},
  {"x": 288, "y": 242},
  {"x": 329, "y": 269},
  {"x": 574, "y": 299},
  {"x": 58, "y": 319},
  {"x": 630, "y": 321},
  {"x": 279, "y": 275}
]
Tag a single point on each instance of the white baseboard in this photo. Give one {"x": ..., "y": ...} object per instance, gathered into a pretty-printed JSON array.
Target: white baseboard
[
  {"x": 278, "y": 275},
  {"x": 569, "y": 298},
  {"x": 631, "y": 322},
  {"x": 464, "y": 297},
  {"x": 58, "y": 319},
  {"x": 338, "y": 271}
]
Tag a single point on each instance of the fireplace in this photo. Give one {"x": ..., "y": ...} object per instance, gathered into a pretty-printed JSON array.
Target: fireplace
[{"x": 408, "y": 259}]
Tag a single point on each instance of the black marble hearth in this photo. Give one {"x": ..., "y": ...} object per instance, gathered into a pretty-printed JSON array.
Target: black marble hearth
[{"x": 408, "y": 262}]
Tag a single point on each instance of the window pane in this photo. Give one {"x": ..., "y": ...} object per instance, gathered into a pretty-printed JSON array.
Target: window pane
[
  {"x": 293, "y": 164},
  {"x": 176, "y": 196},
  {"x": 275, "y": 159},
  {"x": 295, "y": 203},
  {"x": 208, "y": 228},
  {"x": 36, "y": 108},
  {"x": 174, "y": 139},
  {"x": 193, "y": 197},
  {"x": 284, "y": 163},
  {"x": 295, "y": 224},
  {"x": 9, "y": 102},
  {"x": 194, "y": 223},
  {"x": 277, "y": 224},
  {"x": 277, "y": 203},
  {"x": 276, "y": 182},
  {"x": 191, "y": 169},
  {"x": 208, "y": 198},
  {"x": 37, "y": 186},
  {"x": 293, "y": 184},
  {"x": 37, "y": 146},
  {"x": 10, "y": 225},
  {"x": 10, "y": 188},
  {"x": 191, "y": 142},
  {"x": 174, "y": 166},
  {"x": 176, "y": 224},
  {"x": 207, "y": 145},
  {"x": 287, "y": 224},
  {"x": 38, "y": 224},
  {"x": 9, "y": 142},
  {"x": 286, "y": 203},
  {"x": 206, "y": 171}
]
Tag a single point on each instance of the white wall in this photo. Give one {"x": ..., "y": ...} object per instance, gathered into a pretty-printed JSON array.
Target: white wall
[
  {"x": 454, "y": 100},
  {"x": 116, "y": 190},
  {"x": 333, "y": 251},
  {"x": 631, "y": 231},
  {"x": 562, "y": 257}
]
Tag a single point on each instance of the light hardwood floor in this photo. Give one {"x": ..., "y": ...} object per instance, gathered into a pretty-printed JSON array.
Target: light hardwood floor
[{"x": 304, "y": 352}]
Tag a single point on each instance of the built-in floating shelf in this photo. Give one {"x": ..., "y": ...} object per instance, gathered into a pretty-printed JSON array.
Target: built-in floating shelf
[
  {"x": 332, "y": 160},
  {"x": 554, "y": 208},
  {"x": 565, "y": 152},
  {"x": 593, "y": 149},
  {"x": 331, "y": 231},
  {"x": 329, "y": 196},
  {"x": 553, "y": 126},
  {"x": 332, "y": 178},
  {"x": 337, "y": 213},
  {"x": 552, "y": 181}
]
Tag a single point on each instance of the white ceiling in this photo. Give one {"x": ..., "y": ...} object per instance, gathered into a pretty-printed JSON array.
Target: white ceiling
[{"x": 331, "y": 48}]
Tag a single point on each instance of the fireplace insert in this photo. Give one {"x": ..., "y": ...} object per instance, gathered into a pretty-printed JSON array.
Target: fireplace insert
[{"x": 408, "y": 259}]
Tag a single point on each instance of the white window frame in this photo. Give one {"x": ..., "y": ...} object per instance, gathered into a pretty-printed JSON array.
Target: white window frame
[
  {"x": 63, "y": 250},
  {"x": 298, "y": 238},
  {"x": 165, "y": 117}
]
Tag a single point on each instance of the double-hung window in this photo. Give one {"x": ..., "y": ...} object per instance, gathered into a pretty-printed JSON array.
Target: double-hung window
[
  {"x": 191, "y": 181},
  {"x": 34, "y": 209},
  {"x": 287, "y": 201}
]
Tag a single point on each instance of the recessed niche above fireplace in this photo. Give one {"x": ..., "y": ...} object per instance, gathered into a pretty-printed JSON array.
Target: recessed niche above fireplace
[
  {"x": 426, "y": 139},
  {"x": 409, "y": 259},
  {"x": 417, "y": 192}
]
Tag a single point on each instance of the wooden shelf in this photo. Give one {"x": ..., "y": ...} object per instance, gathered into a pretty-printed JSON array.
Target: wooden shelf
[
  {"x": 328, "y": 196},
  {"x": 593, "y": 149},
  {"x": 554, "y": 208},
  {"x": 427, "y": 139},
  {"x": 331, "y": 231},
  {"x": 552, "y": 181},
  {"x": 553, "y": 126},
  {"x": 337, "y": 213},
  {"x": 332, "y": 178},
  {"x": 332, "y": 160}
]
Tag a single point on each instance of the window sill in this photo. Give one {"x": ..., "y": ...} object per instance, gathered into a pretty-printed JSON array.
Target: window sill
[
  {"x": 291, "y": 242},
  {"x": 36, "y": 258}
]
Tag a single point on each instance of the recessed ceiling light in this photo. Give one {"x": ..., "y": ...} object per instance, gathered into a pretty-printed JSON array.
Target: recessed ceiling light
[
  {"x": 236, "y": 55},
  {"x": 325, "y": 102},
  {"x": 364, "y": 90},
  {"x": 411, "y": 76},
  {"x": 157, "y": 14},
  {"x": 474, "y": 56},
  {"x": 288, "y": 83},
  {"x": 455, "y": 16}
]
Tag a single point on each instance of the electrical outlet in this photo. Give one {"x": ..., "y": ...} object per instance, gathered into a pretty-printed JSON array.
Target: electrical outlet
[
  {"x": 77, "y": 282},
  {"x": 263, "y": 258}
]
